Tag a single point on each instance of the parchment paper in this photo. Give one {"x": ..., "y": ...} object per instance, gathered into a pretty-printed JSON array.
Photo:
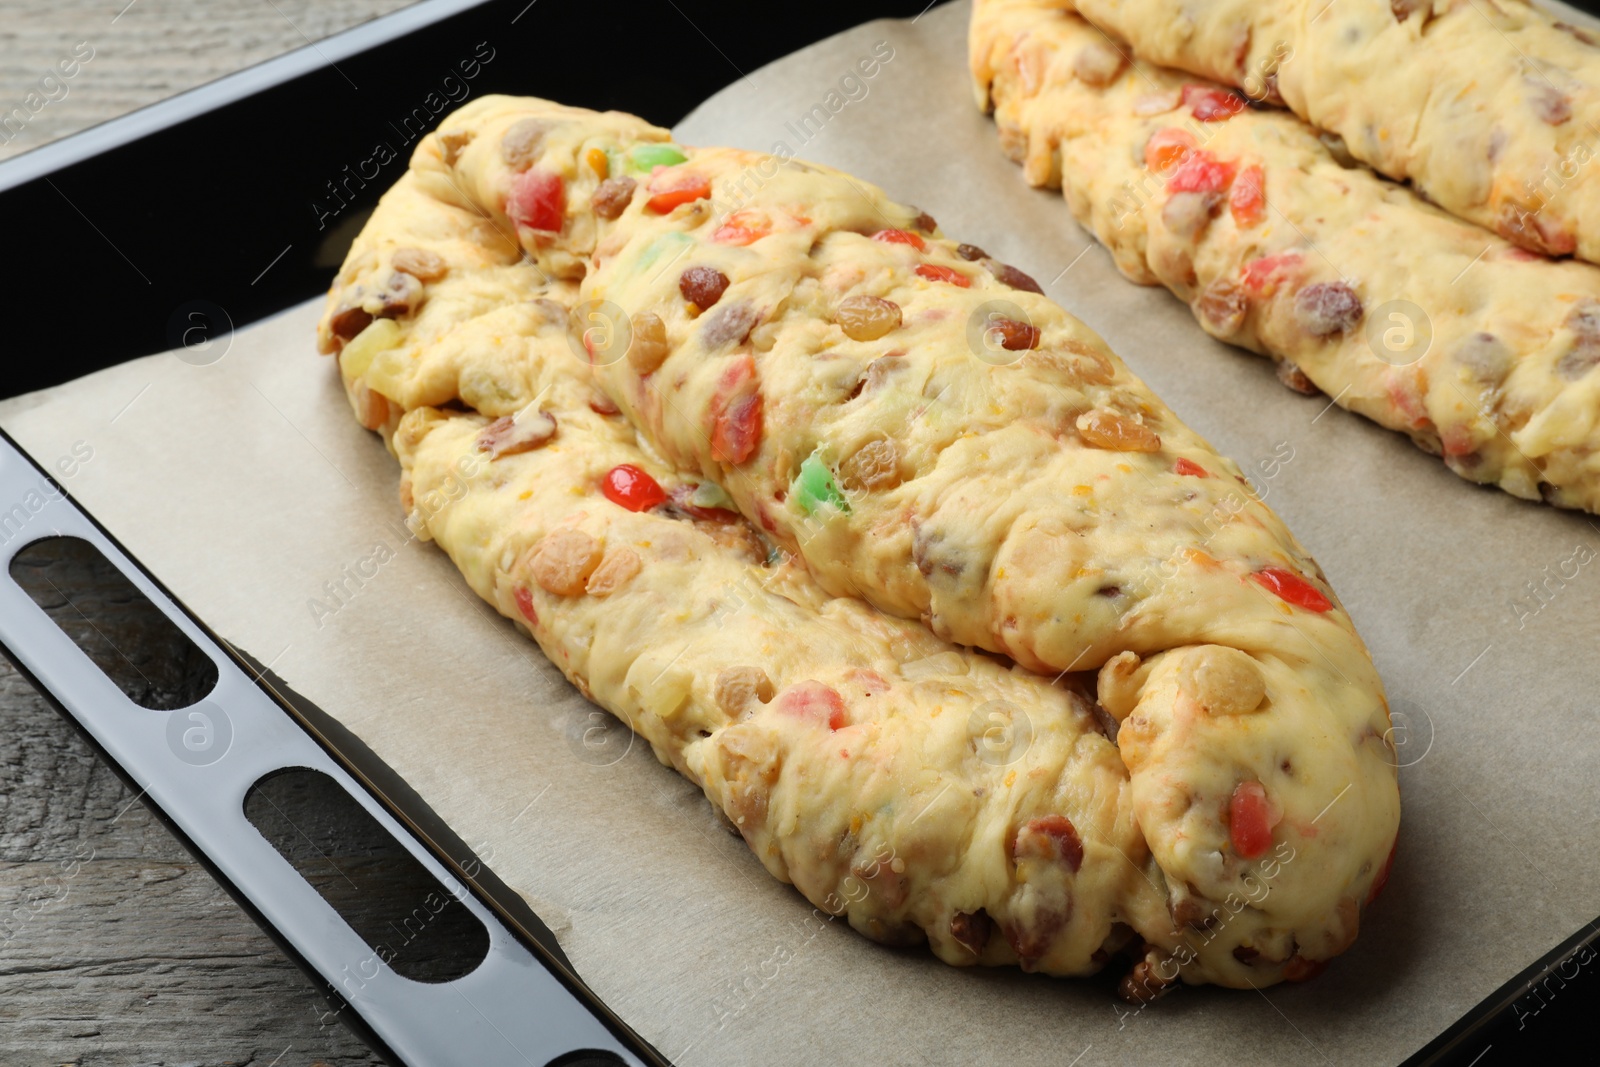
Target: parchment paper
[{"x": 246, "y": 485}]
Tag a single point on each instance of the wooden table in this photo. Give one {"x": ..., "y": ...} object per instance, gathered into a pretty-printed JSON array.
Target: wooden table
[{"x": 116, "y": 948}]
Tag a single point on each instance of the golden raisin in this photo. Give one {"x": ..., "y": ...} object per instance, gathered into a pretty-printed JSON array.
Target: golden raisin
[
  {"x": 420, "y": 263},
  {"x": 737, "y": 687},
  {"x": 875, "y": 465},
  {"x": 649, "y": 348},
  {"x": 866, "y": 318},
  {"x": 614, "y": 572},
  {"x": 372, "y": 407},
  {"x": 1116, "y": 432},
  {"x": 564, "y": 561},
  {"x": 522, "y": 143}
]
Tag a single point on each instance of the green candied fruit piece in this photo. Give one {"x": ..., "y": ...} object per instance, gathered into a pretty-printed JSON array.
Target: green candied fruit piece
[
  {"x": 669, "y": 244},
  {"x": 711, "y": 495},
  {"x": 814, "y": 486},
  {"x": 646, "y": 157},
  {"x": 358, "y": 353}
]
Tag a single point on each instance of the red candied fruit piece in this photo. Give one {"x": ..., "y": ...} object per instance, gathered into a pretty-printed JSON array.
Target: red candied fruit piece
[
  {"x": 524, "y": 601},
  {"x": 668, "y": 189},
  {"x": 1262, "y": 275},
  {"x": 935, "y": 273},
  {"x": 538, "y": 200},
  {"x": 1250, "y": 820},
  {"x": 815, "y": 702},
  {"x": 1201, "y": 172},
  {"x": 1189, "y": 467},
  {"x": 629, "y": 487},
  {"x": 736, "y": 414},
  {"x": 1248, "y": 201},
  {"x": 1168, "y": 147},
  {"x": 900, "y": 237},
  {"x": 1211, "y": 105},
  {"x": 1291, "y": 587}
]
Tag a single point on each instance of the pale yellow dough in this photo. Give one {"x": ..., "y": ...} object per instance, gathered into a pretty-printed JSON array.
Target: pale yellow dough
[
  {"x": 1479, "y": 351},
  {"x": 1007, "y": 527},
  {"x": 1490, "y": 107}
]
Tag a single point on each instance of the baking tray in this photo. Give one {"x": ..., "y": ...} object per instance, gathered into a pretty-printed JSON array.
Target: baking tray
[{"x": 180, "y": 174}]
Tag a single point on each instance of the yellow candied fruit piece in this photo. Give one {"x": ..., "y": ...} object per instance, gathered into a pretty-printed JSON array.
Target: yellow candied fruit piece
[
  {"x": 1083, "y": 490},
  {"x": 596, "y": 158},
  {"x": 358, "y": 354},
  {"x": 1011, "y": 778}
]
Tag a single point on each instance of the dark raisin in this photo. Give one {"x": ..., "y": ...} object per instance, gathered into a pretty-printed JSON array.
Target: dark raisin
[
  {"x": 924, "y": 222},
  {"x": 703, "y": 286},
  {"x": 972, "y": 930},
  {"x": 348, "y": 322},
  {"x": 971, "y": 252},
  {"x": 1014, "y": 336},
  {"x": 1013, "y": 277}
]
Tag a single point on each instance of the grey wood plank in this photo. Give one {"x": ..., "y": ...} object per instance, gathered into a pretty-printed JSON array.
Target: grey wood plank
[{"x": 116, "y": 948}]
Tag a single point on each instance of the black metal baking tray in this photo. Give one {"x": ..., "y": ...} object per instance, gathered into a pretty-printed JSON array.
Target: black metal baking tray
[{"x": 223, "y": 205}]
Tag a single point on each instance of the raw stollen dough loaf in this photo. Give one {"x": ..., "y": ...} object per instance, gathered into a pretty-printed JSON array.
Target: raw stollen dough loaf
[
  {"x": 787, "y": 340},
  {"x": 1481, "y": 352}
]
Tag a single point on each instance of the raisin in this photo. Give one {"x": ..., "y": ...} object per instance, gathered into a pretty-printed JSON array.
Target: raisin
[
  {"x": 564, "y": 561},
  {"x": 924, "y": 222},
  {"x": 866, "y": 318},
  {"x": 401, "y": 295},
  {"x": 1014, "y": 336},
  {"x": 521, "y": 144},
  {"x": 1006, "y": 274},
  {"x": 971, "y": 253},
  {"x": 972, "y": 930},
  {"x": 703, "y": 286},
  {"x": 347, "y": 322},
  {"x": 419, "y": 263},
  {"x": 729, "y": 325},
  {"x": 615, "y": 571},
  {"x": 649, "y": 348},
  {"x": 1116, "y": 432},
  {"x": 510, "y": 435},
  {"x": 1295, "y": 378},
  {"x": 1584, "y": 322},
  {"x": 613, "y": 196},
  {"x": 736, "y": 688},
  {"x": 875, "y": 465},
  {"x": 1327, "y": 308},
  {"x": 1222, "y": 307}
]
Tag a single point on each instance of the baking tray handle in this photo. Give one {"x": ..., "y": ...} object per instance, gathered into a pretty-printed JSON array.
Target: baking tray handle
[{"x": 515, "y": 1007}]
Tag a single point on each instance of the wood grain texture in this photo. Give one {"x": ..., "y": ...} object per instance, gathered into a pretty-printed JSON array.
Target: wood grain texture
[
  {"x": 116, "y": 948},
  {"x": 142, "y": 52}
]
